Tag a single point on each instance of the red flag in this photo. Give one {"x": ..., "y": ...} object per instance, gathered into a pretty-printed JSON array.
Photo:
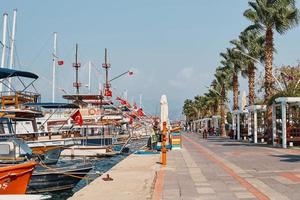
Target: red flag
[
  {"x": 130, "y": 73},
  {"x": 140, "y": 112},
  {"x": 123, "y": 102},
  {"x": 135, "y": 106},
  {"x": 60, "y": 62},
  {"x": 107, "y": 92},
  {"x": 77, "y": 117}
]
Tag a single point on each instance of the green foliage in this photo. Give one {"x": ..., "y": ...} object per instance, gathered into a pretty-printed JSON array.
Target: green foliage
[
  {"x": 289, "y": 78},
  {"x": 280, "y": 15}
]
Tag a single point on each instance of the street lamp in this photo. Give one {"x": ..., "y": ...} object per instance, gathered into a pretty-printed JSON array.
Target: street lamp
[{"x": 260, "y": 64}]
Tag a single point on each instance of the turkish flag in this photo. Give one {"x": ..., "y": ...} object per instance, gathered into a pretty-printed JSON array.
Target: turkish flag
[
  {"x": 140, "y": 112},
  {"x": 77, "y": 117},
  {"x": 123, "y": 102},
  {"x": 107, "y": 92},
  {"x": 60, "y": 62}
]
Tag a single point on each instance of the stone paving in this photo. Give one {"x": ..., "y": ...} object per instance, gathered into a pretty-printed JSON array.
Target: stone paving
[{"x": 219, "y": 168}]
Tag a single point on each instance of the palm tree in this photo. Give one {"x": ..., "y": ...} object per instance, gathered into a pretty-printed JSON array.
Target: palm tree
[
  {"x": 270, "y": 15},
  {"x": 233, "y": 62},
  {"x": 188, "y": 110},
  {"x": 213, "y": 98},
  {"x": 222, "y": 78},
  {"x": 250, "y": 43}
]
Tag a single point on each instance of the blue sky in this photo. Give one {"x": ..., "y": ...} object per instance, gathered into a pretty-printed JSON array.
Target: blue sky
[{"x": 172, "y": 46}]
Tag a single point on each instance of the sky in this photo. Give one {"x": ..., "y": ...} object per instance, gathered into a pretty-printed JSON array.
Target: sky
[{"x": 172, "y": 46}]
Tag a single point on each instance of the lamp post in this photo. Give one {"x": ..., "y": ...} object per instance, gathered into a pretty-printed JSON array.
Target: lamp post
[{"x": 260, "y": 64}]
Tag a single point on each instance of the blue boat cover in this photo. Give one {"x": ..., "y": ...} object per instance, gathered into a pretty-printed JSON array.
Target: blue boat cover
[
  {"x": 53, "y": 105},
  {"x": 6, "y": 73}
]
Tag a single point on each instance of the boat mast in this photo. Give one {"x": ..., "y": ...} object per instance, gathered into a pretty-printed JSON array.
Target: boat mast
[
  {"x": 141, "y": 100},
  {"x": 12, "y": 45},
  {"x": 77, "y": 84},
  {"x": 4, "y": 44},
  {"x": 125, "y": 94},
  {"x": 90, "y": 65},
  {"x": 54, "y": 66},
  {"x": 106, "y": 66}
]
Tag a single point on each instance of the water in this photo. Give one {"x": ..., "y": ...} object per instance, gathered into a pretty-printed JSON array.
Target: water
[{"x": 101, "y": 165}]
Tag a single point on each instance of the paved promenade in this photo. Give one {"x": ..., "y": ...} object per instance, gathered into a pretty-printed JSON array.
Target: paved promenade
[
  {"x": 213, "y": 169},
  {"x": 133, "y": 179},
  {"x": 224, "y": 169}
]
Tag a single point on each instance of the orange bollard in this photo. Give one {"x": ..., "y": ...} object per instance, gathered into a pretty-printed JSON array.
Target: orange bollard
[{"x": 163, "y": 146}]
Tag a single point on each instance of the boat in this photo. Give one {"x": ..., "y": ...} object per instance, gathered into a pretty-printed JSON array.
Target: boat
[
  {"x": 24, "y": 197},
  {"x": 15, "y": 178},
  {"x": 48, "y": 174},
  {"x": 57, "y": 178}
]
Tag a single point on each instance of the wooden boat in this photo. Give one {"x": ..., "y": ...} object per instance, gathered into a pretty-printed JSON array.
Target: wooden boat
[
  {"x": 24, "y": 197},
  {"x": 14, "y": 151},
  {"x": 57, "y": 178},
  {"x": 88, "y": 151},
  {"x": 50, "y": 156},
  {"x": 15, "y": 178}
]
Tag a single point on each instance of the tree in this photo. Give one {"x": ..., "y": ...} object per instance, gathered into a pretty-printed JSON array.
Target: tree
[
  {"x": 188, "y": 110},
  {"x": 222, "y": 78},
  {"x": 250, "y": 43},
  {"x": 270, "y": 15},
  {"x": 289, "y": 76},
  {"x": 234, "y": 64}
]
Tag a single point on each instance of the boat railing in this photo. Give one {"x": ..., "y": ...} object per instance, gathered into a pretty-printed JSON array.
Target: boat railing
[{"x": 17, "y": 98}]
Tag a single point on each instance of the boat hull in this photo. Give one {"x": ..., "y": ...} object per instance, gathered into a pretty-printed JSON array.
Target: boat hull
[
  {"x": 15, "y": 178},
  {"x": 58, "y": 179}
]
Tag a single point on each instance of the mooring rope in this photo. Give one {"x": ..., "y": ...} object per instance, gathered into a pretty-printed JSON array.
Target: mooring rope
[{"x": 67, "y": 174}]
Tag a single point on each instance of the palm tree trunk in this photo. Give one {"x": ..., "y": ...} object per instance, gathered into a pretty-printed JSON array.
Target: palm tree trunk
[
  {"x": 223, "y": 131},
  {"x": 216, "y": 108},
  {"x": 235, "y": 92},
  {"x": 251, "y": 82},
  {"x": 268, "y": 77},
  {"x": 269, "y": 62},
  {"x": 251, "y": 88}
]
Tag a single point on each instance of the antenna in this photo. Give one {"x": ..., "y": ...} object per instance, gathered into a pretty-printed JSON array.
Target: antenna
[{"x": 77, "y": 65}]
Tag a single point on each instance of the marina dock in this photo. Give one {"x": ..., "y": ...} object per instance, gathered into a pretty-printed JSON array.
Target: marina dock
[
  {"x": 216, "y": 168},
  {"x": 132, "y": 178}
]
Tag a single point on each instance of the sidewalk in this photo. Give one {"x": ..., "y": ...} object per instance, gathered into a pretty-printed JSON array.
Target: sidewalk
[
  {"x": 223, "y": 169},
  {"x": 133, "y": 179},
  {"x": 213, "y": 169}
]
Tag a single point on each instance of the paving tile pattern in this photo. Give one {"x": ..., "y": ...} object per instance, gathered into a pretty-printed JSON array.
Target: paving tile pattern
[{"x": 223, "y": 169}]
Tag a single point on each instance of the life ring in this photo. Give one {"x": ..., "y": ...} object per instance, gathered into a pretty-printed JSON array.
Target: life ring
[{"x": 92, "y": 111}]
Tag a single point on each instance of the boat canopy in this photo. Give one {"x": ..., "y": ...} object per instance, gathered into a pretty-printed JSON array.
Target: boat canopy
[
  {"x": 53, "y": 105},
  {"x": 83, "y": 97},
  {"x": 7, "y": 73}
]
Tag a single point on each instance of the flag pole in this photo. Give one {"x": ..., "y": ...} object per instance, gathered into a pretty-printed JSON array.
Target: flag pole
[
  {"x": 54, "y": 66},
  {"x": 90, "y": 65}
]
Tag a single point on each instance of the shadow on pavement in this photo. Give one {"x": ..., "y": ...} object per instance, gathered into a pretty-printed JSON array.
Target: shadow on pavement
[{"x": 288, "y": 158}]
